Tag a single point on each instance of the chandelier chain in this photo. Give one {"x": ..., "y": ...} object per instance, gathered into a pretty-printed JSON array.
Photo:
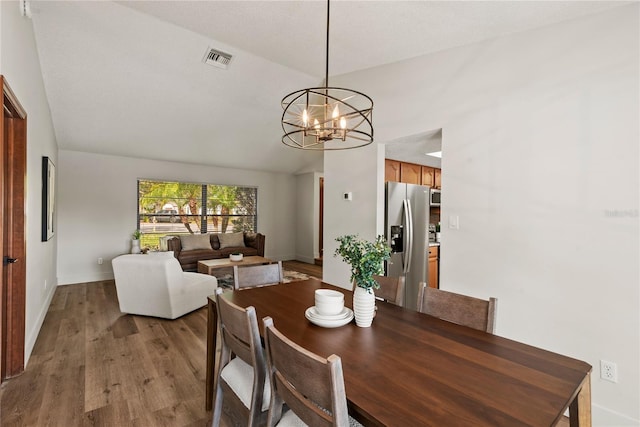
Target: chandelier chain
[
  {"x": 327, "y": 118},
  {"x": 326, "y": 71}
]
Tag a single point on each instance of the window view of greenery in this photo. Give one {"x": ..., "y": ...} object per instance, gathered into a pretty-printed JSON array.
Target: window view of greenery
[{"x": 172, "y": 208}]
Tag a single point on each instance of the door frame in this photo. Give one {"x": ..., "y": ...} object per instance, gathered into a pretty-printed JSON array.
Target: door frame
[
  {"x": 13, "y": 173},
  {"x": 321, "y": 217}
]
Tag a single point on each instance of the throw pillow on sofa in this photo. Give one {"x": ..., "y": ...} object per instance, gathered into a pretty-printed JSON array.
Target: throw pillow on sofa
[
  {"x": 231, "y": 240},
  {"x": 191, "y": 242}
]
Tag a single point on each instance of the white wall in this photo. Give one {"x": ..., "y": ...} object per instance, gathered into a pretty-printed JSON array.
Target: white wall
[
  {"x": 540, "y": 163},
  {"x": 360, "y": 172},
  {"x": 21, "y": 67},
  {"x": 97, "y": 207},
  {"x": 307, "y": 216}
]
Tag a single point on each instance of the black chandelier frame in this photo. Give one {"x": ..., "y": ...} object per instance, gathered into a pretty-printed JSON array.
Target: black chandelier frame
[{"x": 351, "y": 128}]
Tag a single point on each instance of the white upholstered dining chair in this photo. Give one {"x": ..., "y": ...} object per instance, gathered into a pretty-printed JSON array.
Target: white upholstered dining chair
[
  {"x": 457, "y": 308},
  {"x": 242, "y": 386},
  {"x": 257, "y": 275},
  {"x": 311, "y": 387},
  {"x": 391, "y": 289}
]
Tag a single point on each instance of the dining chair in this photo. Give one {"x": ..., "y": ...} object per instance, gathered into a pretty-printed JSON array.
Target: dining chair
[
  {"x": 241, "y": 381},
  {"x": 257, "y": 275},
  {"x": 311, "y": 386},
  {"x": 391, "y": 289},
  {"x": 457, "y": 308}
]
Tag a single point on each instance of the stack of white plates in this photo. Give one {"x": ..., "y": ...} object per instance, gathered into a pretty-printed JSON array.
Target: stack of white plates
[{"x": 332, "y": 321}]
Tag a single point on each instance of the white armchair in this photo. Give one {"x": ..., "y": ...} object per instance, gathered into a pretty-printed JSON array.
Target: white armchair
[{"x": 155, "y": 285}]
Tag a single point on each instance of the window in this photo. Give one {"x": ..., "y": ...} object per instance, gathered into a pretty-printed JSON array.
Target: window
[{"x": 170, "y": 208}]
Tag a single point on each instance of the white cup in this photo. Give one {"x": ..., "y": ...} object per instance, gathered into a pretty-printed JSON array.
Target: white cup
[{"x": 329, "y": 302}]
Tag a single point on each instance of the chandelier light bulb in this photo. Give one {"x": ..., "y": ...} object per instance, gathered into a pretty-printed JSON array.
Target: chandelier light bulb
[
  {"x": 343, "y": 123},
  {"x": 316, "y": 124},
  {"x": 334, "y": 117},
  {"x": 305, "y": 118}
]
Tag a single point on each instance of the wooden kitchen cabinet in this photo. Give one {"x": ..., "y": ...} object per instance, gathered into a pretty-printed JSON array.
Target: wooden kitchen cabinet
[
  {"x": 391, "y": 170},
  {"x": 410, "y": 173},
  {"x": 428, "y": 176},
  {"x": 437, "y": 178},
  {"x": 434, "y": 274}
]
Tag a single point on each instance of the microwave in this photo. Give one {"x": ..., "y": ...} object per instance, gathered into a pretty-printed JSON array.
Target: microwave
[{"x": 434, "y": 197}]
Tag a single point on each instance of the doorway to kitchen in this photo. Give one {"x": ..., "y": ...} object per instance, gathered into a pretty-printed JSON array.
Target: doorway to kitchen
[
  {"x": 13, "y": 161},
  {"x": 416, "y": 161}
]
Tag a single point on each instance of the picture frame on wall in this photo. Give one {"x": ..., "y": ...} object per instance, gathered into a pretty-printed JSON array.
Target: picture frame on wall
[{"x": 48, "y": 198}]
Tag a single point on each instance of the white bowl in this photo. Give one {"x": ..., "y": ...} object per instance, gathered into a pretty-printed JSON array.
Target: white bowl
[
  {"x": 328, "y": 322},
  {"x": 237, "y": 257},
  {"x": 328, "y": 295},
  {"x": 329, "y": 302},
  {"x": 329, "y": 309}
]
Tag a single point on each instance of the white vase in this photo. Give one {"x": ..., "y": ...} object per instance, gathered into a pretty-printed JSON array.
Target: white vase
[
  {"x": 135, "y": 246},
  {"x": 364, "y": 306}
]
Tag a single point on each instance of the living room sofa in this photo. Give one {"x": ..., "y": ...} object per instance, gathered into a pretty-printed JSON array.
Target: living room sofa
[{"x": 191, "y": 248}]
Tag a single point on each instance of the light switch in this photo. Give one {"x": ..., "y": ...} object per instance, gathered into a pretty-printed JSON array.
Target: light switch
[{"x": 454, "y": 223}]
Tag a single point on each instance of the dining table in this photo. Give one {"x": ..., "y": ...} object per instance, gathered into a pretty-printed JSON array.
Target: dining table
[{"x": 413, "y": 369}]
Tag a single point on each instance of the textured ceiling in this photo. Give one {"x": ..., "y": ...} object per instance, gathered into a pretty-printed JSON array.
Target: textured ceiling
[
  {"x": 364, "y": 34},
  {"x": 126, "y": 78}
]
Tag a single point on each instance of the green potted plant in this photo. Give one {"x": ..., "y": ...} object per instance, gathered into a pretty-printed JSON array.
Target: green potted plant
[
  {"x": 366, "y": 260},
  {"x": 135, "y": 242}
]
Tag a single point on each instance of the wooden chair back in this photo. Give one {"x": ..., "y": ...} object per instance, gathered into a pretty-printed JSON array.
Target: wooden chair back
[
  {"x": 257, "y": 275},
  {"x": 311, "y": 386},
  {"x": 391, "y": 289},
  {"x": 461, "y": 309},
  {"x": 240, "y": 337}
]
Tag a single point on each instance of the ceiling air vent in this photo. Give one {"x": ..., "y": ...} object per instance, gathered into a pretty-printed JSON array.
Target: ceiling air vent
[{"x": 217, "y": 58}]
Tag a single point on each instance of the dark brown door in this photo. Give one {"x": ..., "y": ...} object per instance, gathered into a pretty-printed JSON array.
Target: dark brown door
[{"x": 13, "y": 155}]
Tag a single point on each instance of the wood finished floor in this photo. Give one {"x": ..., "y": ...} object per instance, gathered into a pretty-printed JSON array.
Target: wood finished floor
[
  {"x": 95, "y": 366},
  {"x": 302, "y": 267}
]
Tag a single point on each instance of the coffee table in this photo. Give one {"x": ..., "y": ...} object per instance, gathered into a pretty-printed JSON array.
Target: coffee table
[{"x": 210, "y": 265}]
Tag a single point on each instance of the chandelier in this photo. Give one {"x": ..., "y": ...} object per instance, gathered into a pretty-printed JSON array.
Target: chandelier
[{"x": 327, "y": 118}]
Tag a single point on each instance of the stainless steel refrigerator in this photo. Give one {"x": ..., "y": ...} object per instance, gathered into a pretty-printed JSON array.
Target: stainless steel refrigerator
[{"x": 407, "y": 232}]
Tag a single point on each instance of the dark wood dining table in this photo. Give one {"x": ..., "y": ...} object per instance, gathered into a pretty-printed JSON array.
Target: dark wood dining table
[{"x": 412, "y": 369}]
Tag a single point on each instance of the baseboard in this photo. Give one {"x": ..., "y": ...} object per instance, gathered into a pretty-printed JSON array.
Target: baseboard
[
  {"x": 92, "y": 277},
  {"x": 279, "y": 257},
  {"x": 305, "y": 259},
  {"x": 32, "y": 336},
  {"x": 603, "y": 417}
]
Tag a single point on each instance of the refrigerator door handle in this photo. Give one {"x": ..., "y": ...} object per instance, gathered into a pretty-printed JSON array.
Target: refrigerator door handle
[{"x": 408, "y": 220}]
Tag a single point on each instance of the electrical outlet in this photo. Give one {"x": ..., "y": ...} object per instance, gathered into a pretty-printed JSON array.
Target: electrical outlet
[
  {"x": 100, "y": 261},
  {"x": 609, "y": 371}
]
